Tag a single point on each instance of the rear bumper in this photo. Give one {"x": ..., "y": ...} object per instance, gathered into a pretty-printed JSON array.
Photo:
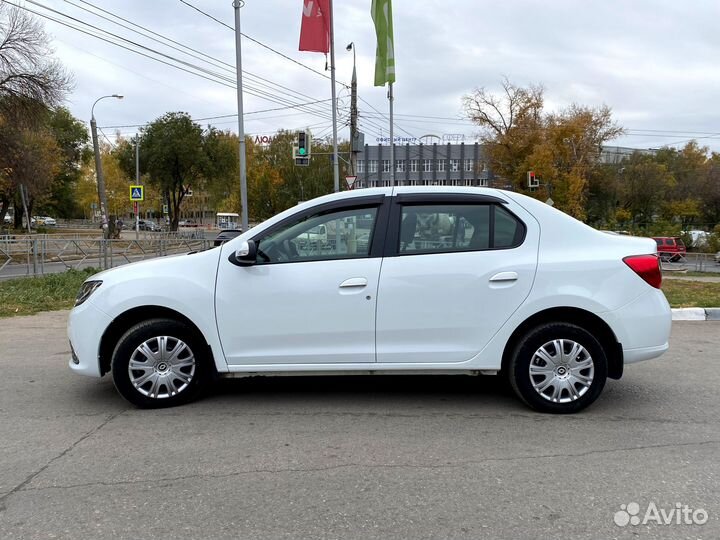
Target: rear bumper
[
  {"x": 644, "y": 353},
  {"x": 642, "y": 326},
  {"x": 86, "y": 326}
]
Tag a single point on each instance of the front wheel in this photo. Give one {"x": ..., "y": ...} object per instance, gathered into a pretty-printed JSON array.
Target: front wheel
[
  {"x": 160, "y": 363},
  {"x": 558, "y": 368}
]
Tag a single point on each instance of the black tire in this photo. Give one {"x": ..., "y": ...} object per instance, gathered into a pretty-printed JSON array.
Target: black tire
[
  {"x": 200, "y": 374},
  {"x": 524, "y": 354}
]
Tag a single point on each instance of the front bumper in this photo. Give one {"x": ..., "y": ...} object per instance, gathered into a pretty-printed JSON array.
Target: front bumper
[{"x": 86, "y": 326}]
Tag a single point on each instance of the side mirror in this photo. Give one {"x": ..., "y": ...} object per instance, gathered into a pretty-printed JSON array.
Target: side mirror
[{"x": 245, "y": 255}]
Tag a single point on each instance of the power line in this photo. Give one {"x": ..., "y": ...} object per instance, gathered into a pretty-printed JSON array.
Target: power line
[
  {"x": 221, "y": 64},
  {"x": 261, "y": 43},
  {"x": 209, "y": 74},
  {"x": 384, "y": 116},
  {"x": 227, "y": 115}
]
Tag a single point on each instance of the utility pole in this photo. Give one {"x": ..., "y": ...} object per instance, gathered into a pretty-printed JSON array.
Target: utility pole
[
  {"x": 100, "y": 179},
  {"x": 353, "y": 115},
  {"x": 237, "y": 4},
  {"x": 98, "y": 170},
  {"x": 336, "y": 164}
]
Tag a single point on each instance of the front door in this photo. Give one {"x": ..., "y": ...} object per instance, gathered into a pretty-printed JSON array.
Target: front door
[{"x": 311, "y": 297}]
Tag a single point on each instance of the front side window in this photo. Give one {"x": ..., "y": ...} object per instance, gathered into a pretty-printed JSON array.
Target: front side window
[
  {"x": 443, "y": 228},
  {"x": 343, "y": 234}
]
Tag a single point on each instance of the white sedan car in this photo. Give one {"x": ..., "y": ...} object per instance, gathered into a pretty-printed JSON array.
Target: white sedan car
[{"x": 410, "y": 280}]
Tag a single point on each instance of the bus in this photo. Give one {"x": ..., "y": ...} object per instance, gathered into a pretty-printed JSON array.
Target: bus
[{"x": 227, "y": 220}]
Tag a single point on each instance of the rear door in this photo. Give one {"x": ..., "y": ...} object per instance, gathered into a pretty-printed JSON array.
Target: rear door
[{"x": 456, "y": 268}]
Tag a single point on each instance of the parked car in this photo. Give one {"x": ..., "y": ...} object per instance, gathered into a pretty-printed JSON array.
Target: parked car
[
  {"x": 7, "y": 219},
  {"x": 147, "y": 225},
  {"x": 717, "y": 257},
  {"x": 226, "y": 235},
  {"x": 47, "y": 221},
  {"x": 187, "y": 223},
  {"x": 670, "y": 248},
  {"x": 556, "y": 313}
]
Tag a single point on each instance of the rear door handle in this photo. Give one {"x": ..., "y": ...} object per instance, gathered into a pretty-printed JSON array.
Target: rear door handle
[
  {"x": 505, "y": 276},
  {"x": 354, "y": 282}
]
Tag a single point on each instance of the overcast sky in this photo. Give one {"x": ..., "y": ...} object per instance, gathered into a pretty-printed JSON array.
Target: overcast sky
[{"x": 653, "y": 62}]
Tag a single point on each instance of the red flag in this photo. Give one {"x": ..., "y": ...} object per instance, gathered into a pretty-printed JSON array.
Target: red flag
[{"x": 315, "y": 28}]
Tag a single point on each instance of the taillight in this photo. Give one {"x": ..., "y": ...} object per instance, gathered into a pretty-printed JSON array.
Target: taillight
[{"x": 647, "y": 267}]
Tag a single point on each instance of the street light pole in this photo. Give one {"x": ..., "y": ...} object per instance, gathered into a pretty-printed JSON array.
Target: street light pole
[
  {"x": 237, "y": 4},
  {"x": 98, "y": 169}
]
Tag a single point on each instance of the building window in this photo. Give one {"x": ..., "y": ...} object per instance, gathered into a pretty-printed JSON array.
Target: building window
[
  {"x": 372, "y": 165},
  {"x": 400, "y": 165},
  {"x": 386, "y": 166},
  {"x": 469, "y": 165},
  {"x": 427, "y": 165},
  {"x": 454, "y": 165},
  {"x": 441, "y": 165},
  {"x": 360, "y": 166},
  {"x": 413, "y": 165}
]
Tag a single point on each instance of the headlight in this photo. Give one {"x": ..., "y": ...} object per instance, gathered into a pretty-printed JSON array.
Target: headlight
[{"x": 86, "y": 290}]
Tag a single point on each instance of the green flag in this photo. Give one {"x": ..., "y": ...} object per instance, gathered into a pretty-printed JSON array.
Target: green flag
[{"x": 381, "y": 11}]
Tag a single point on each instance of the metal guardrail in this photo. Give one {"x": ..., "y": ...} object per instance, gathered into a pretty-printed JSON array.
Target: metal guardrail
[
  {"x": 691, "y": 262},
  {"x": 43, "y": 254}
]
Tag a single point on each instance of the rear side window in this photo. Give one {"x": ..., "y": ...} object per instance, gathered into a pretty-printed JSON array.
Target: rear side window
[
  {"x": 443, "y": 228},
  {"x": 659, "y": 242},
  {"x": 508, "y": 231}
]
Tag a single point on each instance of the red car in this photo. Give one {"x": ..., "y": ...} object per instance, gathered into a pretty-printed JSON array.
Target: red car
[{"x": 670, "y": 248}]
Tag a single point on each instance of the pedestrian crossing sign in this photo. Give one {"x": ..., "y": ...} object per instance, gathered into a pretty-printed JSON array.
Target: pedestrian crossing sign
[{"x": 137, "y": 193}]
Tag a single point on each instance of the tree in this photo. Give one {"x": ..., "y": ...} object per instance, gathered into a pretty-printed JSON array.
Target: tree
[
  {"x": 568, "y": 154},
  {"x": 174, "y": 156},
  {"x": 30, "y": 79},
  {"x": 34, "y": 162},
  {"x": 72, "y": 137},
  {"x": 178, "y": 156},
  {"x": 562, "y": 148},
  {"x": 644, "y": 187},
  {"x": 31, "y": 83},
  {"x": 511, "y": 124}
]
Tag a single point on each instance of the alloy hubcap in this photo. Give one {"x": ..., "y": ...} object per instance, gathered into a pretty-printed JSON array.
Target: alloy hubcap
[
  {"x": 161, "y": 367},
  {"x": 561, "y": 371}
]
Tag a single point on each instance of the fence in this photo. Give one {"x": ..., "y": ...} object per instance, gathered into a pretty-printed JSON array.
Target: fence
[
  {"x": 42, "y": 254},
  {"x": 692, "y": 262}
]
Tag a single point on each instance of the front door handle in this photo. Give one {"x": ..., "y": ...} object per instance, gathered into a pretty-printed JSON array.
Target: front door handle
[
  {"x": 505, "y": 276},
  {"x": 354, "y": 282}
]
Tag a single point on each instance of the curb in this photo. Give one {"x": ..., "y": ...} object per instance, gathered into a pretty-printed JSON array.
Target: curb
[{"x": 696, "y": 314}]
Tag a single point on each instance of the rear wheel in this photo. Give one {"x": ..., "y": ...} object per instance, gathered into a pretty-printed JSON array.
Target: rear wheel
[
  {"x": 160, "y": 363},
  {"x": 558, "y": 368}
]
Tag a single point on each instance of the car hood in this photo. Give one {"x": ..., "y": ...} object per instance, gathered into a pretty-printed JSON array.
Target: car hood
[{"x": 168, "y": 265}]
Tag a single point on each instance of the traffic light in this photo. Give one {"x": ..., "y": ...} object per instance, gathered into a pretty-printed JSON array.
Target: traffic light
[
  {"x": 303, "y": 144},
  {"x": 533, "y": 182}
]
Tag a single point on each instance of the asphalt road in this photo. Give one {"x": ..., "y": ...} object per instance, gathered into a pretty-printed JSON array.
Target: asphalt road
[{"x": 384, "y": 457}]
